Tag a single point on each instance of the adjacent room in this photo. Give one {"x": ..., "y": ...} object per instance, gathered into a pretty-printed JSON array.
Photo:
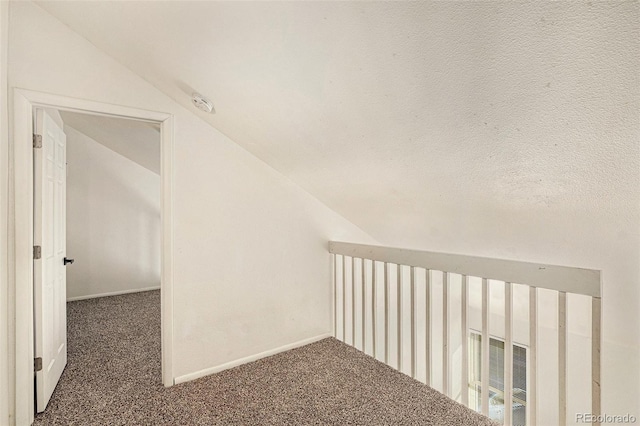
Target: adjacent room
[{"x": 112, "y": 206}]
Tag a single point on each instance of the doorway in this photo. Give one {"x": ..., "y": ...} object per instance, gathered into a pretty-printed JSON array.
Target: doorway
[
  {"x": 97, "y": 229},
  {"x": 24, "y": 104}
]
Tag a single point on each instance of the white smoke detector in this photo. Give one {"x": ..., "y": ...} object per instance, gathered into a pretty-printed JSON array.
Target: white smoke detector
[{"x": 202, "y": 103}]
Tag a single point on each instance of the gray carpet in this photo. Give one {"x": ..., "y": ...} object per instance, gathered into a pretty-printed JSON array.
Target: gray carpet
[{"x": 113, "y": 378}]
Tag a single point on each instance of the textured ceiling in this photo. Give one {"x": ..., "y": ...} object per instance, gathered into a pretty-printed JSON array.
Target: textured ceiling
[{"x": 416, "y": 119}]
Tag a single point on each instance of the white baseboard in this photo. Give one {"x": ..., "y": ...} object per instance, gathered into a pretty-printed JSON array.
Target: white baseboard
[
  {"x": 113, "y": 293},
  {"x": 245, "y": 360}
]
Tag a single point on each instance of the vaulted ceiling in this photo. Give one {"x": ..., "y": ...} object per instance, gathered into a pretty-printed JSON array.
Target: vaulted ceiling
[
  {"x": 138, "y": 141},
  {"x": 417, "y": 119}
]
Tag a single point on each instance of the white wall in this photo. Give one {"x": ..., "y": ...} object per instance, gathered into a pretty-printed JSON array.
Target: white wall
[
  {"x": 251, "y": 266},
  {"x": 113, "y": 220}
]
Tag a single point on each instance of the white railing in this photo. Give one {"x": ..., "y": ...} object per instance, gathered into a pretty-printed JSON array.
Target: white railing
[{"x": 377, "y": 302}]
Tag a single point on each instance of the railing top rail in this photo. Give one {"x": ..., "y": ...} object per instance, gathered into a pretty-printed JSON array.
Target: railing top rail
[{"x": 560, "y": 278}]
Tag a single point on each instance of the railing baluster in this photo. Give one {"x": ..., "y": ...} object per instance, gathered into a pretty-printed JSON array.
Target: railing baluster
[
  {"x": 465, "y": 342},
  {"x": 427, "y": 327},
  {"x": 508, "y": 354},
  {"x": 399, "y": 312},
  {"x": 344, "y": 299},
  {"x": 353, "y": 302},
  {"x": 485, "y": 347},
  {"x": 562, "y": 357},
  {"x": 334, "y": 296},
  {"x": 386, "y": 313},
  {"x": 532, "y": 392},
  {"x": 596, "y": 323},
  {"x": 363, "y": 307},
  {"x": 445, "y": 333},
  {"x": 413, "y": 323},
  {"x": 374, "y": 305}
]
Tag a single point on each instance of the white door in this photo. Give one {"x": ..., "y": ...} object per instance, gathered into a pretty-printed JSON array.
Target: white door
[{"x": 50, "y": 280}]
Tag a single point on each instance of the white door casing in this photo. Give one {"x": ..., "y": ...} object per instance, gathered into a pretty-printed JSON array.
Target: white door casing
[
  {"x": 22, "y": 328},
  {"x": 50, "y": 307}
]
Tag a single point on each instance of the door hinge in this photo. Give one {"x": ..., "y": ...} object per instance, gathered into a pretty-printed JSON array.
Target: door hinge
[
  {"x": 37, "y": 141},
  {"x": 37, "y": 252},
  {"x": 37, "y": 364}
]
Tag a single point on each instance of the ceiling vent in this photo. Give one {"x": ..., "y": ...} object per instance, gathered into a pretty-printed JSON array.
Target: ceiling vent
[{"x": 202, "y": 103}]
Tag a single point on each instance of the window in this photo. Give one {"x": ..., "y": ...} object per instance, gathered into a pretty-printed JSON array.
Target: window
[{"x": 496, "y": 378}]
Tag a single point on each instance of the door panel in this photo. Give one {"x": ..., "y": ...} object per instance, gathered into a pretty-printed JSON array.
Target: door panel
[{"x": 50, "y": 284}]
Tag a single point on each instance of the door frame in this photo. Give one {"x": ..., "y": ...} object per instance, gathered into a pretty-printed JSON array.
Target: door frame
[{"x": 24, "y": 102}]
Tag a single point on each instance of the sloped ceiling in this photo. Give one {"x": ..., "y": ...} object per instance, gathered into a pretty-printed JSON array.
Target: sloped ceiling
[
  {"x": 421, "y": 119},
  {"x": 138, "y": 141}
]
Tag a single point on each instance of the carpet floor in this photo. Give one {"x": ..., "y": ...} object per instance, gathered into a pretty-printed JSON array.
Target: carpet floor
[{"x": 113, "y": 378}]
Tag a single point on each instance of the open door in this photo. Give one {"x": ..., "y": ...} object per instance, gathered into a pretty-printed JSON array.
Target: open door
[{"x": 50, "y": 282}]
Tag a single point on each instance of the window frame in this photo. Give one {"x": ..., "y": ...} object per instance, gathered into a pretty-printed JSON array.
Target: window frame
[{"x": 474, "y": 384}]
